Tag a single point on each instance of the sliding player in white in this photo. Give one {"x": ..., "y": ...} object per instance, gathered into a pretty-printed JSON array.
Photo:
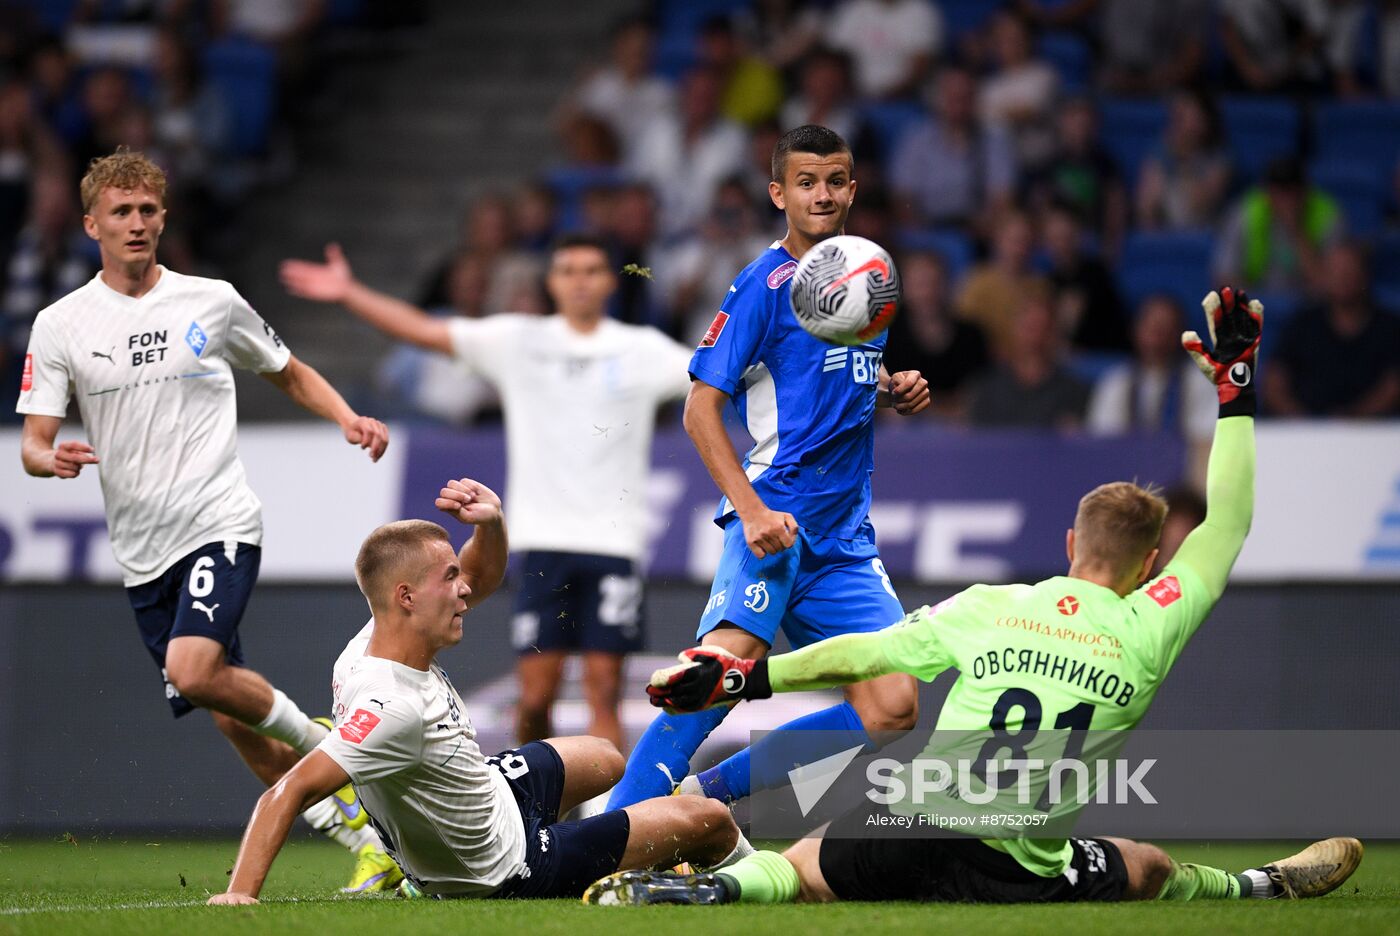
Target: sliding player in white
[
  {"x": 461, "y": 824},
  {"x": 147, "y": 353}
]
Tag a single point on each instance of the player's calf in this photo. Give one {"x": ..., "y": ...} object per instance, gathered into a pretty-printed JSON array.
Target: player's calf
[
  {"x": 670, "y": 829},
  {"x": 1148, "y": 868},
  {"x": 886, "y": 704}
]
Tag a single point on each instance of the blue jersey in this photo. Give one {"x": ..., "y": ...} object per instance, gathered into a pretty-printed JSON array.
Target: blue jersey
[{"x": 808, "y": 405}]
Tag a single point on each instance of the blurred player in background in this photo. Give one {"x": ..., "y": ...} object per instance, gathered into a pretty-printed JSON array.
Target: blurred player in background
[
  {"x": 580, "y": 393},
  {"x": 1111, "y": 551},
  {"x": 799, "y": 549},
  {"x": 148, "y": 353},
  {"x": 460, "y": 824}
]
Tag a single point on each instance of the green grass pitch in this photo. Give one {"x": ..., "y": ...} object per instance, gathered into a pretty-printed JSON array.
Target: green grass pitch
[{"x": 109, "y": 887}]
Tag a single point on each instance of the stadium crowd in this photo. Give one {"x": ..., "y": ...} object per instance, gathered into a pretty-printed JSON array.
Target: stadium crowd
[{"x": 1060, "y": 180}]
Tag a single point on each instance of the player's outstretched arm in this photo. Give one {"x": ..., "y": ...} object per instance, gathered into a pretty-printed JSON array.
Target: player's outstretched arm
[
  {"x": 42, "y": 459},
  {"x": 1235, "y": 323},
  {"x": 314, "y": 778},
  {"x": 305, "y": 385},
  {"x": 483, "y": 557},
  {"x": 767, "y": 532},
  {"x": 334, "y": 281}
]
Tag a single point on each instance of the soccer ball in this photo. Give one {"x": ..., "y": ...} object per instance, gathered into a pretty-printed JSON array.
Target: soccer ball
[{"x": 845, "y": 290}]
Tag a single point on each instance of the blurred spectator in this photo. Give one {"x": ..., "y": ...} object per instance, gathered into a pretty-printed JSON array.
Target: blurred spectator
[
  {"x": 106, "y": 96},
  {"x": 1274, "y": 45},
  {"x": 994, "y": 292},
  {"x": 589, "y": 143},
  {"x": 535, "y": 217},
  {"x": 1087, "y": 305},
  {"x": 1275, "y": 234},
  {"x": 874, "y": 220},
  {"x": 1030, "y": 388},
  {"x": 1341, "y": 358},
  {"x": 685, "y": 157},
  {"x": 1182, "y": 184},
  {"x": 951, "y": 168},
  {"x": 700, "y": 271},
  {"x": 1082, "y": 175},
  {"x": 1390, "y": 48},
  {"x": 1160, "y": 388},
  {"x": 1152, "y": 46},
  {"x": 51, "y": 257},
  {"x": 753, "y": 90},
  {"x": 891, "y": 43},
  {"x": 782, "y": 31},
  {"x": 758, "y": 171},
  {"x": 54, "y": 87},
  {"x": 631, "y": 236},
  {"x": 25, "y": 147},
  {"x": 191, "y": 117},
  {"x": 488, "y": 235},
  {"x": 824, "y": 97},
  {"x": 926, "y": 337},
  {"x": 1186, "y": 510},
  {"x": 625, "y": 93},
  {"x": 1020, "y": 92}
]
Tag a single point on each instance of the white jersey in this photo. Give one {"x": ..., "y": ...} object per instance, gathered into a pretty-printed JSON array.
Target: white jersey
[
  {"x": 579, "y": 413},
  {"x": 403, "y": 735},
  {"x": 155, "y": 391}
]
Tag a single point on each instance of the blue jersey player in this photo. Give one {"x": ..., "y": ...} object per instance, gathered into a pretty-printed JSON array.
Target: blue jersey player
[{"x": 799, "y": 550}]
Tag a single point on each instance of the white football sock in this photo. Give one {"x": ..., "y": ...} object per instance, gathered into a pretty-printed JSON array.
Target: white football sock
[
  {"x": 1263, "y": 887},
  {"x": 289, "y": 724},
  {"x": 742, "y": 849},
  {"x": 325, "y": 818},
  {"x": 690, "y": 786}
]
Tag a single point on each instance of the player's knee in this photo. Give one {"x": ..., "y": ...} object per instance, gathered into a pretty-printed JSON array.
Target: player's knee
[
  {"x": 608, "y": 758},
  {"x": 194, "y": 681},
  {"x": 708, "y": 821},
  {"x": 894, "y": 708},
  {"x": 1148, "y": 870}
]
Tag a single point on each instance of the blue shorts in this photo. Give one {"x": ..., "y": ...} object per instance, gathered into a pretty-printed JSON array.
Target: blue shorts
[
  {"x": 561, "y": 858},
  {"x": 578, "y": 601},
  {"x": 817, "y": 588},
  {"x": 201, "y": 595}
]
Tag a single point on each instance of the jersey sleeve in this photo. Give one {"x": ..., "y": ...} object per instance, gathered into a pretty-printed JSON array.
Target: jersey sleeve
[
  {"x": 251, "y": 343},
  {"x": 46, "y": 384},
  {"x": 733, "y": 342},
  {"x": 482, "y": 345},
  {"x": 376, "y": 738}
]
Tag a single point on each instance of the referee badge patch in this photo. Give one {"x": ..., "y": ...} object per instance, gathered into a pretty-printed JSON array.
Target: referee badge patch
[{"x": 358, "y": 726}]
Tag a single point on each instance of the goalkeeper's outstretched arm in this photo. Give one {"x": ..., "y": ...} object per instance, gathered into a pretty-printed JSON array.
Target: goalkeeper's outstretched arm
[{"x": 1236, "y": 324}]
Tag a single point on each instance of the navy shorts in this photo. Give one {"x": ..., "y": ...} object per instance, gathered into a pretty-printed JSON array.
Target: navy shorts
[
  {"x": 561, "y": 858},
  {"x": 201, "y": 595},
  {"x": 578, "y": 601}
]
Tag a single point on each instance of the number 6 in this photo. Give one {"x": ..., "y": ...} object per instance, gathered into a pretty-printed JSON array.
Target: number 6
[{"x": 202, "y": 577}]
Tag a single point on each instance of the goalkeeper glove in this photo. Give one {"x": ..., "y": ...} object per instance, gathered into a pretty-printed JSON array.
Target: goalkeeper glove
[
  {"x": 707, "y": 677},
  {"x": 1235, "y": 322}
]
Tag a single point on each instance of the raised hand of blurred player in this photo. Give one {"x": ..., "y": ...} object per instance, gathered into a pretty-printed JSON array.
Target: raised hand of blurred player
[
  {"x": 471, "y": 502},
  {"x": 368, "y": 434},
  {"x": 707, "y": 677},
  {"x": 908, "y": 392},
  {"x": 769, "y": 532},
  {"x": 1235, "y": 323},
  {"x": 70, "y": 457},
  {"x": 320, "y": 282}
]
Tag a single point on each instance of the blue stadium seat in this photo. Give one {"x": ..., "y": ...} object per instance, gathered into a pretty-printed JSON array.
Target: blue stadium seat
[
  {"x": 954, "y": 246},
  {"x": 245, "y": 73},
  {"x": 961, "y": 17},
  {"x": 1279, "y": 308},
  {"x": 1260, "y": 130},
  {"x": 887, "y": 121},
  {"x": 1359, "y": 186},
  {"x": 1131, "y": 129},
  {"x": 1173, "y": 262},
  {"x": 1366, "y": 131},
  {"x": 1385, "y": 262},
  {"x": 570, "y": 183},
  {"x": 678, "y": 27},
  {"x": 1071, "y": 57}
]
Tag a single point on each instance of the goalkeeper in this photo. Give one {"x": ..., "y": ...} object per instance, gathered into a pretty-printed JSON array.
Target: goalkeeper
[{"x": 1036, "y": 674}]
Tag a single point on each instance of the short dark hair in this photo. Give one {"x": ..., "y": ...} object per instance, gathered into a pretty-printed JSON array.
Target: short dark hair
[
  {"x": 819, "y": 141},
  {"x": 574, "y": 239}
]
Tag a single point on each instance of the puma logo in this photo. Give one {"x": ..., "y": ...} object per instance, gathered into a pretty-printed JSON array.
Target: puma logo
[
  {"x": 201, "y": 606},
  {"x": 108, "y": 355},
  {"x": 375, "y": 701}
]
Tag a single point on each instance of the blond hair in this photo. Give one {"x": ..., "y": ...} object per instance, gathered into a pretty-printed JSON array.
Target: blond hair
[
  {"x": 395, "y": 552},
  {"x": 1118, "y": 524},
  {"x": 125, "y": 170}
]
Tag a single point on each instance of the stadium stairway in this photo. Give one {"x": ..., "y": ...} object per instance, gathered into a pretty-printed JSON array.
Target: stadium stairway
[{"x": 457, "y": 108}]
